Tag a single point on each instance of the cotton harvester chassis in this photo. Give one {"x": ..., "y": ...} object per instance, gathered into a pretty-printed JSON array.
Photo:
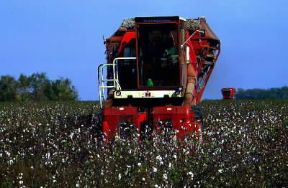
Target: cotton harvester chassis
[{"x": 156, "y": 72}]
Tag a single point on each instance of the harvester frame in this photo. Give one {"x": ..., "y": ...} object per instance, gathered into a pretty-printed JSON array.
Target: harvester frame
[{"x": 156, "y": 72}]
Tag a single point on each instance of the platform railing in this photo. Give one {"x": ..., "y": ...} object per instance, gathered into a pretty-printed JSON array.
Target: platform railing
[{"x": 105, "y": 83}]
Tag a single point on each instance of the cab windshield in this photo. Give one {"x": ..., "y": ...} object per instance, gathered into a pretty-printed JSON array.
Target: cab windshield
[{"x": 158, "y": 55}]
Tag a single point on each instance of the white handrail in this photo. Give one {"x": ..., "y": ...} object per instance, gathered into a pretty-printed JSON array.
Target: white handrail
[
  {"x": 102, "y": 82},
  {"x": 201, "y": 32}
]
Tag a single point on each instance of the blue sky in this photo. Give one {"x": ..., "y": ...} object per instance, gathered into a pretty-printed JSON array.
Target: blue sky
[{"x": 64, "y": 38}]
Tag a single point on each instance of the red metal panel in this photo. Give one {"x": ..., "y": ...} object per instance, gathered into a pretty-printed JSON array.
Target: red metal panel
[
  {"x": 112, "y": 117},
  {"x": 128, "y": 36},
  {"x": 181, "y": 117}
]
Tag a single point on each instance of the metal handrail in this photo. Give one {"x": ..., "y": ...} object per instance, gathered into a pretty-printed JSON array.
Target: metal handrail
[{"x": 102, "y": 82}]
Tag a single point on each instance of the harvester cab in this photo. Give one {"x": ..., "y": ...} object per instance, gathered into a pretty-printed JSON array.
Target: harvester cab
[{"x": 156, "y": 71}]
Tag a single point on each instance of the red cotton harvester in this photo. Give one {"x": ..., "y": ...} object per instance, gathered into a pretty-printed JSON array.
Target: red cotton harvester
[
  {"x": 228, "y": 93},
  {"x": 156, "y": 72}
]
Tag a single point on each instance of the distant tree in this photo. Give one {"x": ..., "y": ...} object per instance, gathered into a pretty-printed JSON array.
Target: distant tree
[
  {"x": 36, "y": 87},
  {"x": 40, "y": 86},
  {"x": 24, "y": 90},
  {"x": 8, "y": 87},
  {"x": 273, "y": 93},
  {"x": 63, "y": 90}
]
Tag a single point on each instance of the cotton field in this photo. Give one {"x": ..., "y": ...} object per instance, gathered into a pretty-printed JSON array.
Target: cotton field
[{"x": 245, "y": 143}]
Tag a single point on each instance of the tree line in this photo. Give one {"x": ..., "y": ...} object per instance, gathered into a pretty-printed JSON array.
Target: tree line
[
  {"x": 273, "y": 93},
  {"x": 36, "y": 87}
]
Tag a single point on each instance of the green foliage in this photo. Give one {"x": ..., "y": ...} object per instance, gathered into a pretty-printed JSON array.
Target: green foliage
[
  {"x": 36, "y": 87},
  {"x": 8, "y": 87},
  {"x": 62, "y": 90},
  {"x": 273, "y": 93}
]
